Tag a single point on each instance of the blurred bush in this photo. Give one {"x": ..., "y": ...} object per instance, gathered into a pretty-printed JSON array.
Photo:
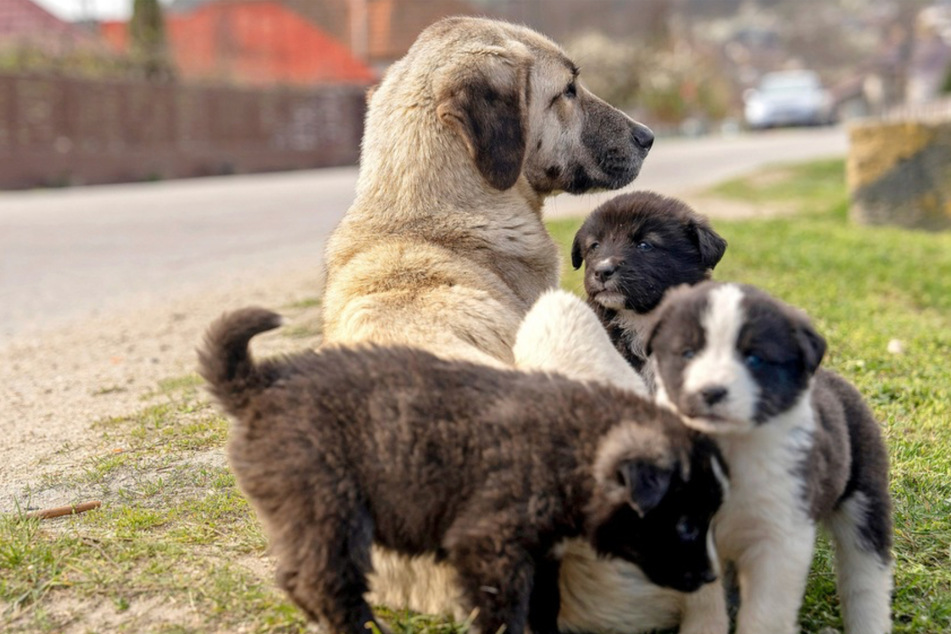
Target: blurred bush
[{"x": 664, "y": 84}]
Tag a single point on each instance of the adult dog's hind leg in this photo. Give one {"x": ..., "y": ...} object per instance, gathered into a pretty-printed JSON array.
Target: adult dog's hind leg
[{"x": 863, "y": 564}]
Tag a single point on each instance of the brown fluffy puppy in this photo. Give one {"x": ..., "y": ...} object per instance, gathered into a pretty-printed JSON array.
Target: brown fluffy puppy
[{"x": 488, "y": 469}]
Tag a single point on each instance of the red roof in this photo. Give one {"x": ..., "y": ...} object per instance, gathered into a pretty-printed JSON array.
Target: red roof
[
  {"x": 24, "y": 22},
  {"x": 257, "y": 41}
]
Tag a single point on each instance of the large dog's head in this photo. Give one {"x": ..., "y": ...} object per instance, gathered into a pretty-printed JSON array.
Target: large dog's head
[
  {"x": 511, "y": 101},
  {"x": 637, "y": 246},
  {"x": 654, "y": 498},
  {"x": 729, "y": 357}
]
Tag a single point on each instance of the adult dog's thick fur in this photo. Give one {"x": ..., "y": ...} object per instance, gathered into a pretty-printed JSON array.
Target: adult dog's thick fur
[
  {"x": 444, "y": 246},
  {"x": 562, "y": 334},
  {"x": 488, "y": 468}
]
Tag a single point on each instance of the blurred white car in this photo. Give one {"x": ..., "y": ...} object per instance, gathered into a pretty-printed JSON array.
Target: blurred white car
[{"x": 785, "y": 98}]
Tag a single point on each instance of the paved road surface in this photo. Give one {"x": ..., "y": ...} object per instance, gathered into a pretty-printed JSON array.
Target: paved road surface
[{"x": 73, "y": 252}]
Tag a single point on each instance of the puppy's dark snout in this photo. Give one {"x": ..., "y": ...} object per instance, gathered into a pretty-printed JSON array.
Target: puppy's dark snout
[
  {"x": 605, "y": 269},
  {"x": 713, "y": 394},
  {"x": 642, "y": 136}
]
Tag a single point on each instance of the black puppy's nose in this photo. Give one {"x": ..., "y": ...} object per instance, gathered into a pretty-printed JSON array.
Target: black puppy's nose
[
  {"x": 642, "y": 136},
  {"x": 604, "y": 269},
  {"x": 713, "y": 394}
]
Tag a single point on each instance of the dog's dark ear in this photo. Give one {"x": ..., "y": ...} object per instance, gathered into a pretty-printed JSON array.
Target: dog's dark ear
[
  {"x": 652, "y": 329},
  {"x": 486, "y": 104},
  {"x": 710, "y": 244},
  {"x": 659, "y": 314},
  {"x": 577, "y": 259},
  {"x": 812, "y": 344},
  {"x": 646, "y": 483}
]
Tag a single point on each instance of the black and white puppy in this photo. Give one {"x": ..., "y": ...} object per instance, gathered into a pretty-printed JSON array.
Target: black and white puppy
[
  {"x": 802, "y": 448},
  {"x": 635, "y": 247}
]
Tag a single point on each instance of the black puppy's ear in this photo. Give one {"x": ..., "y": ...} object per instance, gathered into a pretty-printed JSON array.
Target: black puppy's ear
[
  {"x": 576, "y": 259},
  {"x": 487, "y": 106},
  {"x": 709, "y": 243},
  {"x": 812, "y": 344},
  {"x": 646, "y": 483}
]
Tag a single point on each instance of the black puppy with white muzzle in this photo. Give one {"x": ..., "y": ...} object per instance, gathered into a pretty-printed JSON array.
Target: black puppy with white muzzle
[{"x": 635, "y": 247}]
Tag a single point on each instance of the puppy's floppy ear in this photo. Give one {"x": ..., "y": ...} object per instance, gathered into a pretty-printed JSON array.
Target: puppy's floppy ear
[
  {"x": 812, "y": 344},
  {"x": 485, "y": 101},
  {"x": 659, "y": 314},
  {"x": 709, "y": 243},
  {"x": 646, "y": 483},
  {"x": 576, "y": 258}
]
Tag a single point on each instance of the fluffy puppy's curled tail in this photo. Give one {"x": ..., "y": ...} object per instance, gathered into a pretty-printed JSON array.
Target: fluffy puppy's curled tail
[{"x": 225, "y": 361}]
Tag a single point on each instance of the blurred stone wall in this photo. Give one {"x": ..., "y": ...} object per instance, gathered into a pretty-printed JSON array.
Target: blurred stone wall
[
  {"x": 899, "y": 173},
  {"x": 66, "y": 131}
]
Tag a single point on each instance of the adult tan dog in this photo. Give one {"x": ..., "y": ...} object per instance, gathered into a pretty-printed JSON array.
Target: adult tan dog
[{"x": 444, "y": 247}]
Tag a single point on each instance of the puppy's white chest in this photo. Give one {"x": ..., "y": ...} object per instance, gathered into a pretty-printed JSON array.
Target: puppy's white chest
[{"x": 767, "y": 490}]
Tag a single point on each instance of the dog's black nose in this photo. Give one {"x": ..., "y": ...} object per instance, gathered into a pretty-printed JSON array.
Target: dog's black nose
[
  {"x": 642, "y": 136},
  {"x": 604, "y": 269},
  {"x": 713, "y": 394}
]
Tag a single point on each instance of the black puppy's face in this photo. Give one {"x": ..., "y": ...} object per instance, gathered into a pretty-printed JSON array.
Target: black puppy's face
[
  {"x": 659, "y": 517},
  {"x": 636, "y": 246}
]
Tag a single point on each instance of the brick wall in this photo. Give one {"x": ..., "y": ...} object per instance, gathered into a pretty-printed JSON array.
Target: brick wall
[{"x": 57, "y": 131}]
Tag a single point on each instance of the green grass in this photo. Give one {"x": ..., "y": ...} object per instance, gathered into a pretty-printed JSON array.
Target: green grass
[
  {"x": 863, "y": 287},
  {"x": 175, "y": 548}
]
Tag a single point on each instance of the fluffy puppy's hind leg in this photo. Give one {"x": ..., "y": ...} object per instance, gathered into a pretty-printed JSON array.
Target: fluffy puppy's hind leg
[
  {"x": 323, "y": 555},
  {"x": 863, "y": 565},
  {"x": 562, "y": 334}
]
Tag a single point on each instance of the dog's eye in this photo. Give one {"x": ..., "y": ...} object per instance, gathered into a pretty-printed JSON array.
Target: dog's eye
[
  {"x": 571, "y": 91},
  {"x": 752, "y": 361},
  {"x": 686, "y": 530},
  {"x": 593, "y": 246},
  {"x": 643, "y": 245},
  {"x": 688, "y": 353}
]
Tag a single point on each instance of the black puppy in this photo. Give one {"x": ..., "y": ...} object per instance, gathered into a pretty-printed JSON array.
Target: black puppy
[
  {"x": 635, "y": 247},
  {"x": 490, "y": 469}
]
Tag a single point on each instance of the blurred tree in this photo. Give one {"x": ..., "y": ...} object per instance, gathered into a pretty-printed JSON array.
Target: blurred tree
[{"x": 147, "y": 34}]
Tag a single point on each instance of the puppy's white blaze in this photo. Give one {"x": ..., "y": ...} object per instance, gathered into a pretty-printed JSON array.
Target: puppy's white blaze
[
  {"x": 719, "y": 364},
  {"x": 864, "y": 581},
  {"x": 562, "y": 334}
]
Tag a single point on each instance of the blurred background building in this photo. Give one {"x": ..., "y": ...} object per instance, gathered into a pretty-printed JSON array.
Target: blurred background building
[{"x": 117, "y": 90}]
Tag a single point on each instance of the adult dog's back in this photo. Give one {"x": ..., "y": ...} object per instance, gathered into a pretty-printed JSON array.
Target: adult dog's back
[{"x": 444, "y": 246}]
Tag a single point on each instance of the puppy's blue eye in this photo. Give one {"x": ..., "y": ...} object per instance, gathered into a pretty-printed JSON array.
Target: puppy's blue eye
[
  {"x": 752, "y": 361},
  {"x": 686, "y": 530},
  {"x": 645, "y": 246},
  {"x": 688, "y": 353}
]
